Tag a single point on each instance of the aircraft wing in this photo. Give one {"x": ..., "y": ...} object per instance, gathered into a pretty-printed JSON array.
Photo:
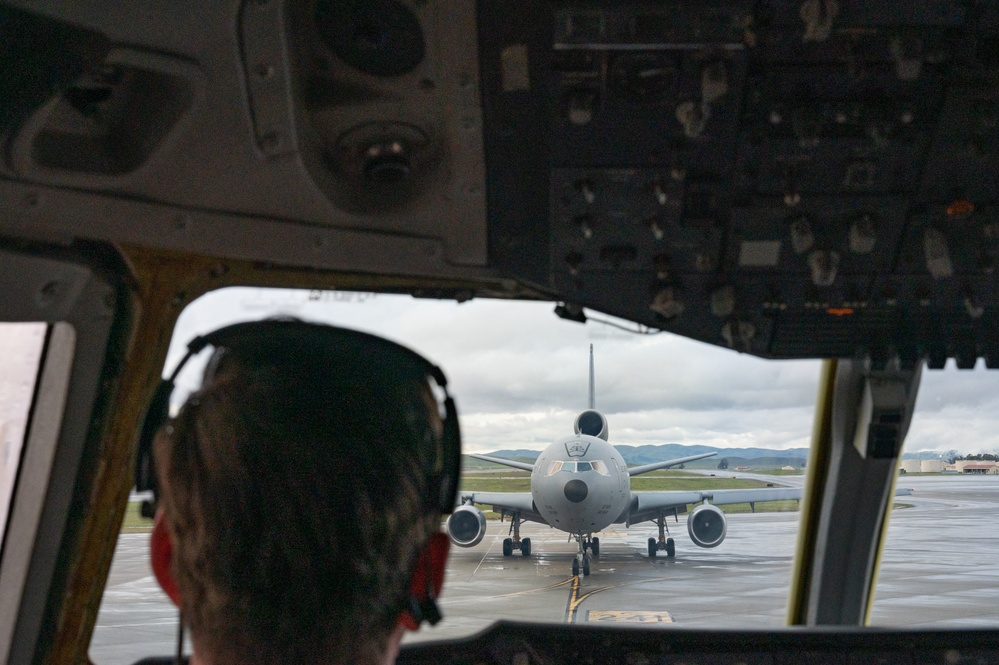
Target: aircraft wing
[
  {"x": 655, "y": 466},
  {"x": 648, "y": 505},
  {"x": 509, "y": 501}
]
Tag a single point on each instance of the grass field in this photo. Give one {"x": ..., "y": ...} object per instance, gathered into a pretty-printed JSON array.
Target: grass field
[{"x": 133, "y": 522}]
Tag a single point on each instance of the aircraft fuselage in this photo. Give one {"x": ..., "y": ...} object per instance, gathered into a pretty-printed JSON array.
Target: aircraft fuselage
[{"x": 580, "y": 484}]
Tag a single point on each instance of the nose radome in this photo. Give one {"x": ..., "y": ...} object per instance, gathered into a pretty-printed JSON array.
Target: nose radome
[{"x": 575, "y": 490}]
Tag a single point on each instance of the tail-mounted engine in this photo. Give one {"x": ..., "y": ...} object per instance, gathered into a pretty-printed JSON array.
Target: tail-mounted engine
[
  {"x": 706, "y": 525},
  {"x": 466, "y": 526},
  {"x": 591, "y": 423}
]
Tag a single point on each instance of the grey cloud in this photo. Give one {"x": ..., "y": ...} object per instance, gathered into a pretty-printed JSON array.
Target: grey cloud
[{"x": 520, "y": 375}]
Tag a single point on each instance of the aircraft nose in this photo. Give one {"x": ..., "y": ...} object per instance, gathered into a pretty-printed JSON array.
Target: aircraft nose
[{"x": 575, "y": 490}]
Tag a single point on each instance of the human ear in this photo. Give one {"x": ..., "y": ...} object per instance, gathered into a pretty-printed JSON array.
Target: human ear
[
  {"x": 161, "y": 558},
  {"x": 428, "y": 578}
]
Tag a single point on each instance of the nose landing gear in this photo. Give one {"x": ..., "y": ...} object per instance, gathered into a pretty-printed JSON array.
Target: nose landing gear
[{"x": 582, "y": 560}]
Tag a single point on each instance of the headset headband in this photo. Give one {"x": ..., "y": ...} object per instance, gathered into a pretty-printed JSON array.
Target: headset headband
[{"x": 443, "y": 466}]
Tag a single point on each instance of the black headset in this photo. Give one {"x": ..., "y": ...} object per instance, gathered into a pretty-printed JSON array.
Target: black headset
[{"x": 442, "y": 467}]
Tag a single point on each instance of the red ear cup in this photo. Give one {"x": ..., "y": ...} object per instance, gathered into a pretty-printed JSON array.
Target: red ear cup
[
  {"x": 161, "y": 554},
  {"x": 426, "y": 583}
]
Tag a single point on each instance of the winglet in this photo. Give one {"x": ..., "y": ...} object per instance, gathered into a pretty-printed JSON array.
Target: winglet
[{"x": 592, "y": 398}]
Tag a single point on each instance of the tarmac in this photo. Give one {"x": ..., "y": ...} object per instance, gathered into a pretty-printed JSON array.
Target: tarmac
[{"x": 939, "y": 569}]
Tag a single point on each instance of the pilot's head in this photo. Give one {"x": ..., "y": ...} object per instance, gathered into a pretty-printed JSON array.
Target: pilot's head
[{"x": 300, "y": 496}]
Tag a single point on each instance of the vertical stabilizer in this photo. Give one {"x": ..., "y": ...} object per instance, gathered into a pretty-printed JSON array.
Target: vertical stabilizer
[{"x": 592, "y": 397}]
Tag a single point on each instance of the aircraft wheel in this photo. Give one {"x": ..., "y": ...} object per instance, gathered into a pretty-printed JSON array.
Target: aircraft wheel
[
  {"x": 595, "y": 547},
  {"x": 670, "y": 548},
  {"x": 507, "y": 546},
  {"x": 653, "y": 546},
  {"x": 525, "y": 547},
  {"x": 586, "y": 567},
  {"x": 575, "y": 567}
]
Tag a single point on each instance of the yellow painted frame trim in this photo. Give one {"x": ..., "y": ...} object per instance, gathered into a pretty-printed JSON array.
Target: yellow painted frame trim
[
  {"x": 165, "y": 282},
  {"x": 811, "y": 500}
]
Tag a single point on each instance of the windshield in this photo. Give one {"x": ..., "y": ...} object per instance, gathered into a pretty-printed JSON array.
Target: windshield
[
  {"x": 520, "y": 377},
  {"x": 19, "y": 364},
  {"x": 578, "y": 467}
]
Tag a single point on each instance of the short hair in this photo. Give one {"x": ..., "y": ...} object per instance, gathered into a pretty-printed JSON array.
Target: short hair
[{"x": 293, "y": 488}]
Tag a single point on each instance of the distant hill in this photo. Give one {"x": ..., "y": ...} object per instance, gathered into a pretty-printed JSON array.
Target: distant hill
[
  {"x": 760, "y": 458},
  {"x": 649, "y": 454},
  {"x": 527, "y": 455}
]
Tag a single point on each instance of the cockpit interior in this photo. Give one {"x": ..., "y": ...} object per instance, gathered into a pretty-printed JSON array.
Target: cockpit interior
[{"x": 789, "y": 179}]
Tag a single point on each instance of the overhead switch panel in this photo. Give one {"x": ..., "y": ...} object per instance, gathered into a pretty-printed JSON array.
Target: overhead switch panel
[{"x": 787, "y": 178}]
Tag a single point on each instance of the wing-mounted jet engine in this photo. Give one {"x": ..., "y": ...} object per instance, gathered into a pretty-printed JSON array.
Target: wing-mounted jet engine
[
  {"x": 706, "y": 525},
  {"x": 466, "y": 526}
]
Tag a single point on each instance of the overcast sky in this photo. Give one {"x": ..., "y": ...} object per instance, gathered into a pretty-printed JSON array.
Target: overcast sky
[{"x": 519, "y": 375}]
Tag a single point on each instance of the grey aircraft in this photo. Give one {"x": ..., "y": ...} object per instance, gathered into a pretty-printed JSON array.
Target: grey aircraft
[{"x": 580, "y": 484}]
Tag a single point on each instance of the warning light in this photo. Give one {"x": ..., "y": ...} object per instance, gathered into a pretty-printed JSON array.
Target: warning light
[
  {"x": 960, "y": 208},
  {"x": 840, "y": 311}
]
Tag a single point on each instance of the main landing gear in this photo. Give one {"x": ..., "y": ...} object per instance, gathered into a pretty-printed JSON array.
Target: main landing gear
[
  {"x": 582, "y": 560},
  {"x": 516, "y": 543},
  {"x": 664, "y": 544}
]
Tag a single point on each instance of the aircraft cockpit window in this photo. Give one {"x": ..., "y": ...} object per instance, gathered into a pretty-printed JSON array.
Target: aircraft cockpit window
[
  {"x": 19, "y": 364},
  {"x": 760, "y": 432},
  {"x": 578, "y": 467}
]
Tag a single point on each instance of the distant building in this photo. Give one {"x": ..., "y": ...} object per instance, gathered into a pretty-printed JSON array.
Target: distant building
[
  {"x": 787, "y": 468},
  {"x": 970, "y": 466},
  {"x": 910, "y": 466},
  {"x": 743, "y": 468},
  {"x": 931, "y": 465}
]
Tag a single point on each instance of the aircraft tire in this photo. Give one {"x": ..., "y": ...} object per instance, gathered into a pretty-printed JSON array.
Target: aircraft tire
[
  {"x": 586, "y": 567},
  {"x": 653, "y": 546},
  {"x": 670, "y": 548},
  {"x": 575, "y": 567},
  {"x": 507, "y": 546},
  {"x": 595, "y": 546},
  {"x": 525, "y": 547}
]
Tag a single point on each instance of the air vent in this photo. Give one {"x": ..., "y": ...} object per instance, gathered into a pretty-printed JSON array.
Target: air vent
[{"x": 110, "y": 120}]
